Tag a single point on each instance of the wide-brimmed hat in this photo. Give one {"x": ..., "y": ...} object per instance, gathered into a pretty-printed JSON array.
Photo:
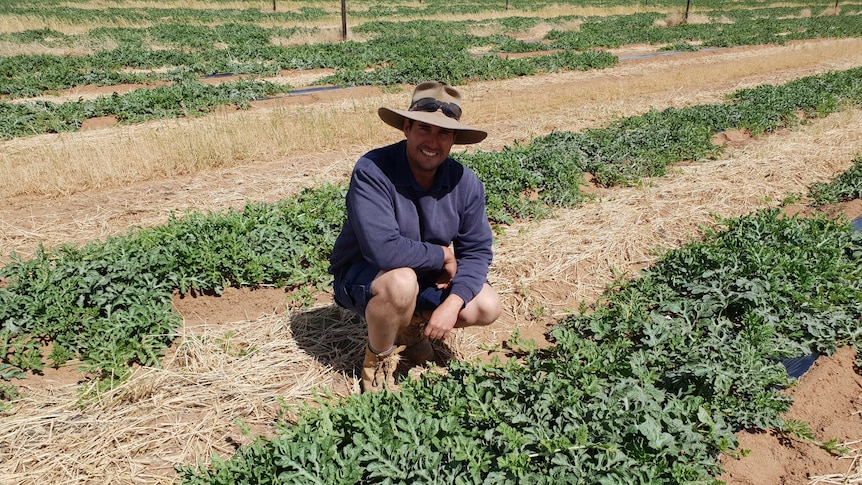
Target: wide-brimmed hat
[{"x": 438, "y": 104}]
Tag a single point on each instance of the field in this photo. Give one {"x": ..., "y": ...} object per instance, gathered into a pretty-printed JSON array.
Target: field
[{"x": 137, "y": 133}]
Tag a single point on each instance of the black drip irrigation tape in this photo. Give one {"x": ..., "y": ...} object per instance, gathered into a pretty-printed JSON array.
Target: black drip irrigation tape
[
  {"x": 666, "y": 53},
  {"x": 799, "y": 365},
  {"x": 218, "y": 75},
  {"x": 299, "y": 92}
]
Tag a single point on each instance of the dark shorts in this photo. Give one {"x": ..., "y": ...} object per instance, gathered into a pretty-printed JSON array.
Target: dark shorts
[{"x": 352, "y": 288}]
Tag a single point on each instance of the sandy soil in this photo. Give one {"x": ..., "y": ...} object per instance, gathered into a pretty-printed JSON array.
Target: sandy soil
[{"x": 827, "y": 397}]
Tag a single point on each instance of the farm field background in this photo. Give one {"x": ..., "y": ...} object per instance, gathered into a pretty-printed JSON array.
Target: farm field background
[{"x": 241, "y": 354}]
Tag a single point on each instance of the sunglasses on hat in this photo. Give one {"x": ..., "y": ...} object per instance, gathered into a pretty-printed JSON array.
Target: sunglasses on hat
[{"x": 431, "y": 105}]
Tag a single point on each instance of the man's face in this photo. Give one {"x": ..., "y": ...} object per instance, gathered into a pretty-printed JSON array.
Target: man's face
[{"x": 427, "y": 146}]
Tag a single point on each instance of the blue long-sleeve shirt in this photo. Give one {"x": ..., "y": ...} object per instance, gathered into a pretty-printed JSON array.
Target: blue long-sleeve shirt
[{"x": 393, "y": 223}]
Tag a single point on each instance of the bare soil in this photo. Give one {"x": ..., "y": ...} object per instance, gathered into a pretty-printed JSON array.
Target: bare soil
[{"x": 827, "y": 396}]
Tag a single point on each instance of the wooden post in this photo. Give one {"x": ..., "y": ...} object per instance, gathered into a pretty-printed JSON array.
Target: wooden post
[
  {"x": 273, "y": 5},
  {"x": 343, "y": 20},
  {"x": 687, "y": 7}
]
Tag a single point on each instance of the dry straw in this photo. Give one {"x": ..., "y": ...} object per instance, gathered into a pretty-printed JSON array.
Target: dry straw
[
  {"x": 270, "y": 152},
  {"x": 221, "y": 378},
  {"x": 220, "y": 385},
  {"x": 853, "y": 476},
  {"x": 213, "y": 382},
  {"x": 51, "y": 165}
]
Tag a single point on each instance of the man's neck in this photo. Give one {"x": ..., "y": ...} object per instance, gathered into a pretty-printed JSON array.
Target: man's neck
[{"x": 424, "y": 179}]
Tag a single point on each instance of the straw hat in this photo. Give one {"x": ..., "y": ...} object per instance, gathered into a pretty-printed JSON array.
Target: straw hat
[{"x": 438, "y": 104}]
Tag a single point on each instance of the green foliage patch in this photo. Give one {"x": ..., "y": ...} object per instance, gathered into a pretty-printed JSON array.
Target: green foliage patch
[
  {"x": 847, "y": 186},
  {"x": 648, "y": 388},
  {"x": 727, "y": 28},
  {"x": 124, "y": 15},
  {"x": 718, "y": 314},
  {"x": 109, "y": 303},
  {"x": 118, "y": 291},
  {"x": 183, "y": 99},
  {"x": 522, "y": 181}
]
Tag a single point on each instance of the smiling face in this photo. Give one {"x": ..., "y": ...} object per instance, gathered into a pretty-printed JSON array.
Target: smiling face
[{"x": 427, "y": 148}]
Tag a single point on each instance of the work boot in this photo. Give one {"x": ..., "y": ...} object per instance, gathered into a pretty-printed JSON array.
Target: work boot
[
  {"x": 418, "y": 347},
  {"x": 378, "y": 370}
]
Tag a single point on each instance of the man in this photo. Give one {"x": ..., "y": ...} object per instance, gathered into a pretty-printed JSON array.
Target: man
[{"x": 416, "y": 242}]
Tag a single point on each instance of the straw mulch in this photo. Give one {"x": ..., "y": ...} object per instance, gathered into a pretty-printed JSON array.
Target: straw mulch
[
  {"x": 82, "y": 192},
  {"x": 853, "y": 476},
  {"x": 558, "y": 263},
  {"x": 212, "y": 383},
  {"x": 220, "y": 379}
]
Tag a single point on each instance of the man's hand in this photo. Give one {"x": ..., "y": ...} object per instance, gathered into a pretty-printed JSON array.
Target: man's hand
[
  {"x": 450, "y": 267},
  {"x": 444, "y": 318}
]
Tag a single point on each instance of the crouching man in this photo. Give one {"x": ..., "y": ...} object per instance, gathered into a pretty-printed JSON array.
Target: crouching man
[{"x": 412, "y": 257}]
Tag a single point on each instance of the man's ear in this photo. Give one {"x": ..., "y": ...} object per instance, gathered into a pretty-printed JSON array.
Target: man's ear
[{"x": 407, "y": 124}]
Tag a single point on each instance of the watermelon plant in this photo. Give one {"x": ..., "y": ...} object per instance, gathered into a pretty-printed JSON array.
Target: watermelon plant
[
  {"x": 181, "y": 44},
  {"x": 632, "y": 148},
  {"x": 648, "y": 388},
  {"x": 847, "y": 186},
  {"x": 108, "y": 302},
  {"x": 185, "y": 98}
]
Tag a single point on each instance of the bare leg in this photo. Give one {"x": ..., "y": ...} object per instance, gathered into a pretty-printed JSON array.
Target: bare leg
[
  {"x": 482, "y": 310},
  {"x": 391, "y": 306}
]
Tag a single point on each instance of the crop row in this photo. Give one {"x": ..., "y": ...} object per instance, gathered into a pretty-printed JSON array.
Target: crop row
[
  {"x": 847, "y": 186},
  {"x": 644, "y": 145},
  {"x": 648, "y": 388},
  {"x": 398, "y": 52},
  {"x": 726, "y": 29},
  {"x": 261, "y": 10},
  {"x": 183, "y": 99},
  {"x": 124, "y": 15},
  {"x": 190, "y": 97},
  {"x": 107, "y": 303}
]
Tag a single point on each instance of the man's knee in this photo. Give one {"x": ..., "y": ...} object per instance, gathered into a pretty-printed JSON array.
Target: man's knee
[
  {"x": 490, "y": 311},
  {"x": 398, "y": 286},
  {"x": 484, "y": 309}
]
